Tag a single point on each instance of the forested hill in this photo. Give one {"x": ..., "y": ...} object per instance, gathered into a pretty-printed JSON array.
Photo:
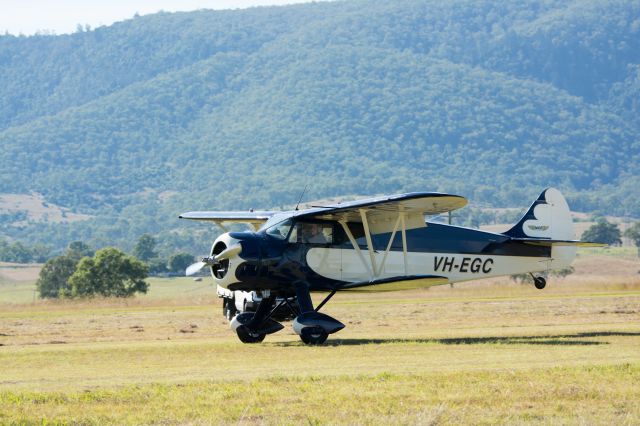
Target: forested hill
[{"x": 139, "y": 121}]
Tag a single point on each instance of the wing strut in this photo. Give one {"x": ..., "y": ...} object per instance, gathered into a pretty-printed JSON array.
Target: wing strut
[
  {"x": 386, "y": 252},
  {"x": 367, "y": 234},
  {"x": 356, "y": 247},
  {"x": 219, "y": 223},
  {"x": 404, "y": 243},
  {"x": 372, "y": 268}
]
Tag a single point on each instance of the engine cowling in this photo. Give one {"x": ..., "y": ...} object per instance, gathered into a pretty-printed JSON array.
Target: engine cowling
[{"x": 223, "y": 272}]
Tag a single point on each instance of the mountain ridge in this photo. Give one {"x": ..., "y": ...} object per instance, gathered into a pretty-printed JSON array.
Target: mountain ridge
[{"x": 241, "y": 109}]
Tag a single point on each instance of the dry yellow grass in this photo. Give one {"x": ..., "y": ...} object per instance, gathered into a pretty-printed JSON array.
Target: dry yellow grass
[{"x": 485, "y": 352}]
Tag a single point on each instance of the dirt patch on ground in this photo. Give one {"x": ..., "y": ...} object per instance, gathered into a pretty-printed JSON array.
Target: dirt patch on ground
[
  {"x": 18, "y": 272},
  {"x": 36, "y": 208}
]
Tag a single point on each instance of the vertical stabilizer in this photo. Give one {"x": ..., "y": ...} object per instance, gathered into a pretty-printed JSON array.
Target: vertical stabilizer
[{"x": 547, "y": 218}]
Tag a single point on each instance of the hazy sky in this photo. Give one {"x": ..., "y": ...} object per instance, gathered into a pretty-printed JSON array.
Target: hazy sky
[{"x": 63, "y": 16}]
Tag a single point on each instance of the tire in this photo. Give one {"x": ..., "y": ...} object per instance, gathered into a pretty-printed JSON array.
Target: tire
[
  {"x": 247, "y": 336},
  {"x": 540, "y": 283},
  {"x": 313, "y": 335}
]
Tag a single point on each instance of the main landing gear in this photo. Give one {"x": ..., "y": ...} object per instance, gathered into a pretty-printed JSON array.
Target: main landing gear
[
  {"x": 539, "y": 282},
  {"x": 252, "y": 327},
  {"x": 312, "y": 326}
]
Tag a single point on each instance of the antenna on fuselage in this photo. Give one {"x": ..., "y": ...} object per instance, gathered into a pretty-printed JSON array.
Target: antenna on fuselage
[{"x": 302, "y": 195}]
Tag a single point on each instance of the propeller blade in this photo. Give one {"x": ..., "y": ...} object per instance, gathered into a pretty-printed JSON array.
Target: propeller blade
[
  {"x": 229, "y": 252},
  {"x": 213, "y": 260},
  {"x": 192, "y": 269}
]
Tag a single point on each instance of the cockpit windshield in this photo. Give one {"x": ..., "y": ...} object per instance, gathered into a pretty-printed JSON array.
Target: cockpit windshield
[{"x": 280, "y": 230}]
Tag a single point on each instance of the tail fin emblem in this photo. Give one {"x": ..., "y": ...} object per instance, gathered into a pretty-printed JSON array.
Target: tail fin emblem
[{"x": 538, "y": 227}]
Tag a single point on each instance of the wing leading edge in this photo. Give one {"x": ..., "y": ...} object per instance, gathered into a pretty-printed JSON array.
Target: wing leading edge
[{"x": 255, "y": 218}]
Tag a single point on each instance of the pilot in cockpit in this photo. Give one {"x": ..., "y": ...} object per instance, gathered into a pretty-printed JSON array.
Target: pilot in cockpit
[{"x": 312, "y": 233}]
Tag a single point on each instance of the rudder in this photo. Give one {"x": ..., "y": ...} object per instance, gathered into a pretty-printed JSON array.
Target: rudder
[{"x": 548, "y": 217}]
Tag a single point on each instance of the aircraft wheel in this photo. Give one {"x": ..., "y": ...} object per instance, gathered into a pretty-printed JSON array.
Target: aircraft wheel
[
  {"x": 313, "y": 335},
  {"x": 539, "y": 282},
  {"x": 246, "y": 336}
]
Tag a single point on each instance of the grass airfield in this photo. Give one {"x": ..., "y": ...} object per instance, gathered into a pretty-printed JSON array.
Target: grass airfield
[{"x": 486, "y": 352}]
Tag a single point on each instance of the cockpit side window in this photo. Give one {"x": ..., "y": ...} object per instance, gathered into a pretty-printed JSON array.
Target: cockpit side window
[
  {"x": 357, "y": 230},
  {"x": 280, "y": 230},
  {"x": 312, "y": 233}
]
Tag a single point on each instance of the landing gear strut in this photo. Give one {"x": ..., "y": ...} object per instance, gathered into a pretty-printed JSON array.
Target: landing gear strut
[
  {"x": 539, "y": 282},
  {"x": 312, "y": 326},
  {"x": 229, "y": 309}
]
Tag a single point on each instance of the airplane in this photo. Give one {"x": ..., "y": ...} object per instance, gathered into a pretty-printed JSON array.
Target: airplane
[{"x": 375, "y": 244}]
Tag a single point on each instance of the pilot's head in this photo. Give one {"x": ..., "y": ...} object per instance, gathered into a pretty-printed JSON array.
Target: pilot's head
[{"x": 310, "y": 230}]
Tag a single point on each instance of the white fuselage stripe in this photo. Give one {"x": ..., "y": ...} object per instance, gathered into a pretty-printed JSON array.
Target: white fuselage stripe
[{"x": 345, "y": 265}]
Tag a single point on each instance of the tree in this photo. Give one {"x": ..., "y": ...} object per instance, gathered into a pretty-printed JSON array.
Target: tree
[
  {"x": 109, "y": 273},
  {"x": 16, "y": 252},
  {"x": 54, "y": 276},
  {"x": 19, "y": 253},
  {"x": 633, "y": 233},
  {"x": 79, "y": 249},
  {"x": 145, "y": 248},
  {"x": 40, "y": 253},
  {"x": 53, "y": 281},
  {"x": 603, "y": 232},
  {"x": 157, "y": 266},
  {"x": 179, "y": 262}
]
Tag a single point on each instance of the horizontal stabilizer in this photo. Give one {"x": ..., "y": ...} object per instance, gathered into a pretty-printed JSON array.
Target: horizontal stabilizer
[
  {"x": 405, "y": 282},
  {"x": 555, "y": 243}
]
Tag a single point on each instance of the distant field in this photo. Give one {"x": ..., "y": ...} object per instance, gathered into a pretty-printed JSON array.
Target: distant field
[
  {"x": 17, "y": 282},
  {"x": 481, "y": 352},
  {"x": 37, "y": 209}
]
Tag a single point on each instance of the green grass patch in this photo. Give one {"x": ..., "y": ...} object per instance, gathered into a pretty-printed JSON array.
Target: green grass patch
[{"x": 603, "y": 394}]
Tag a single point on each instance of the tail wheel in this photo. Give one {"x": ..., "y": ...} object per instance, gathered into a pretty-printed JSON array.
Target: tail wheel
[
  {"x": 313, "y": 335},
  {"x": 539, "y": 282},
  {"x": 247, "y": 336}
]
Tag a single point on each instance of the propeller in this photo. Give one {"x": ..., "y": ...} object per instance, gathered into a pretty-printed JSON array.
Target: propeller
[
  {"x": 213, "y": 260},
  {"x": 194, "y": 267}
]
